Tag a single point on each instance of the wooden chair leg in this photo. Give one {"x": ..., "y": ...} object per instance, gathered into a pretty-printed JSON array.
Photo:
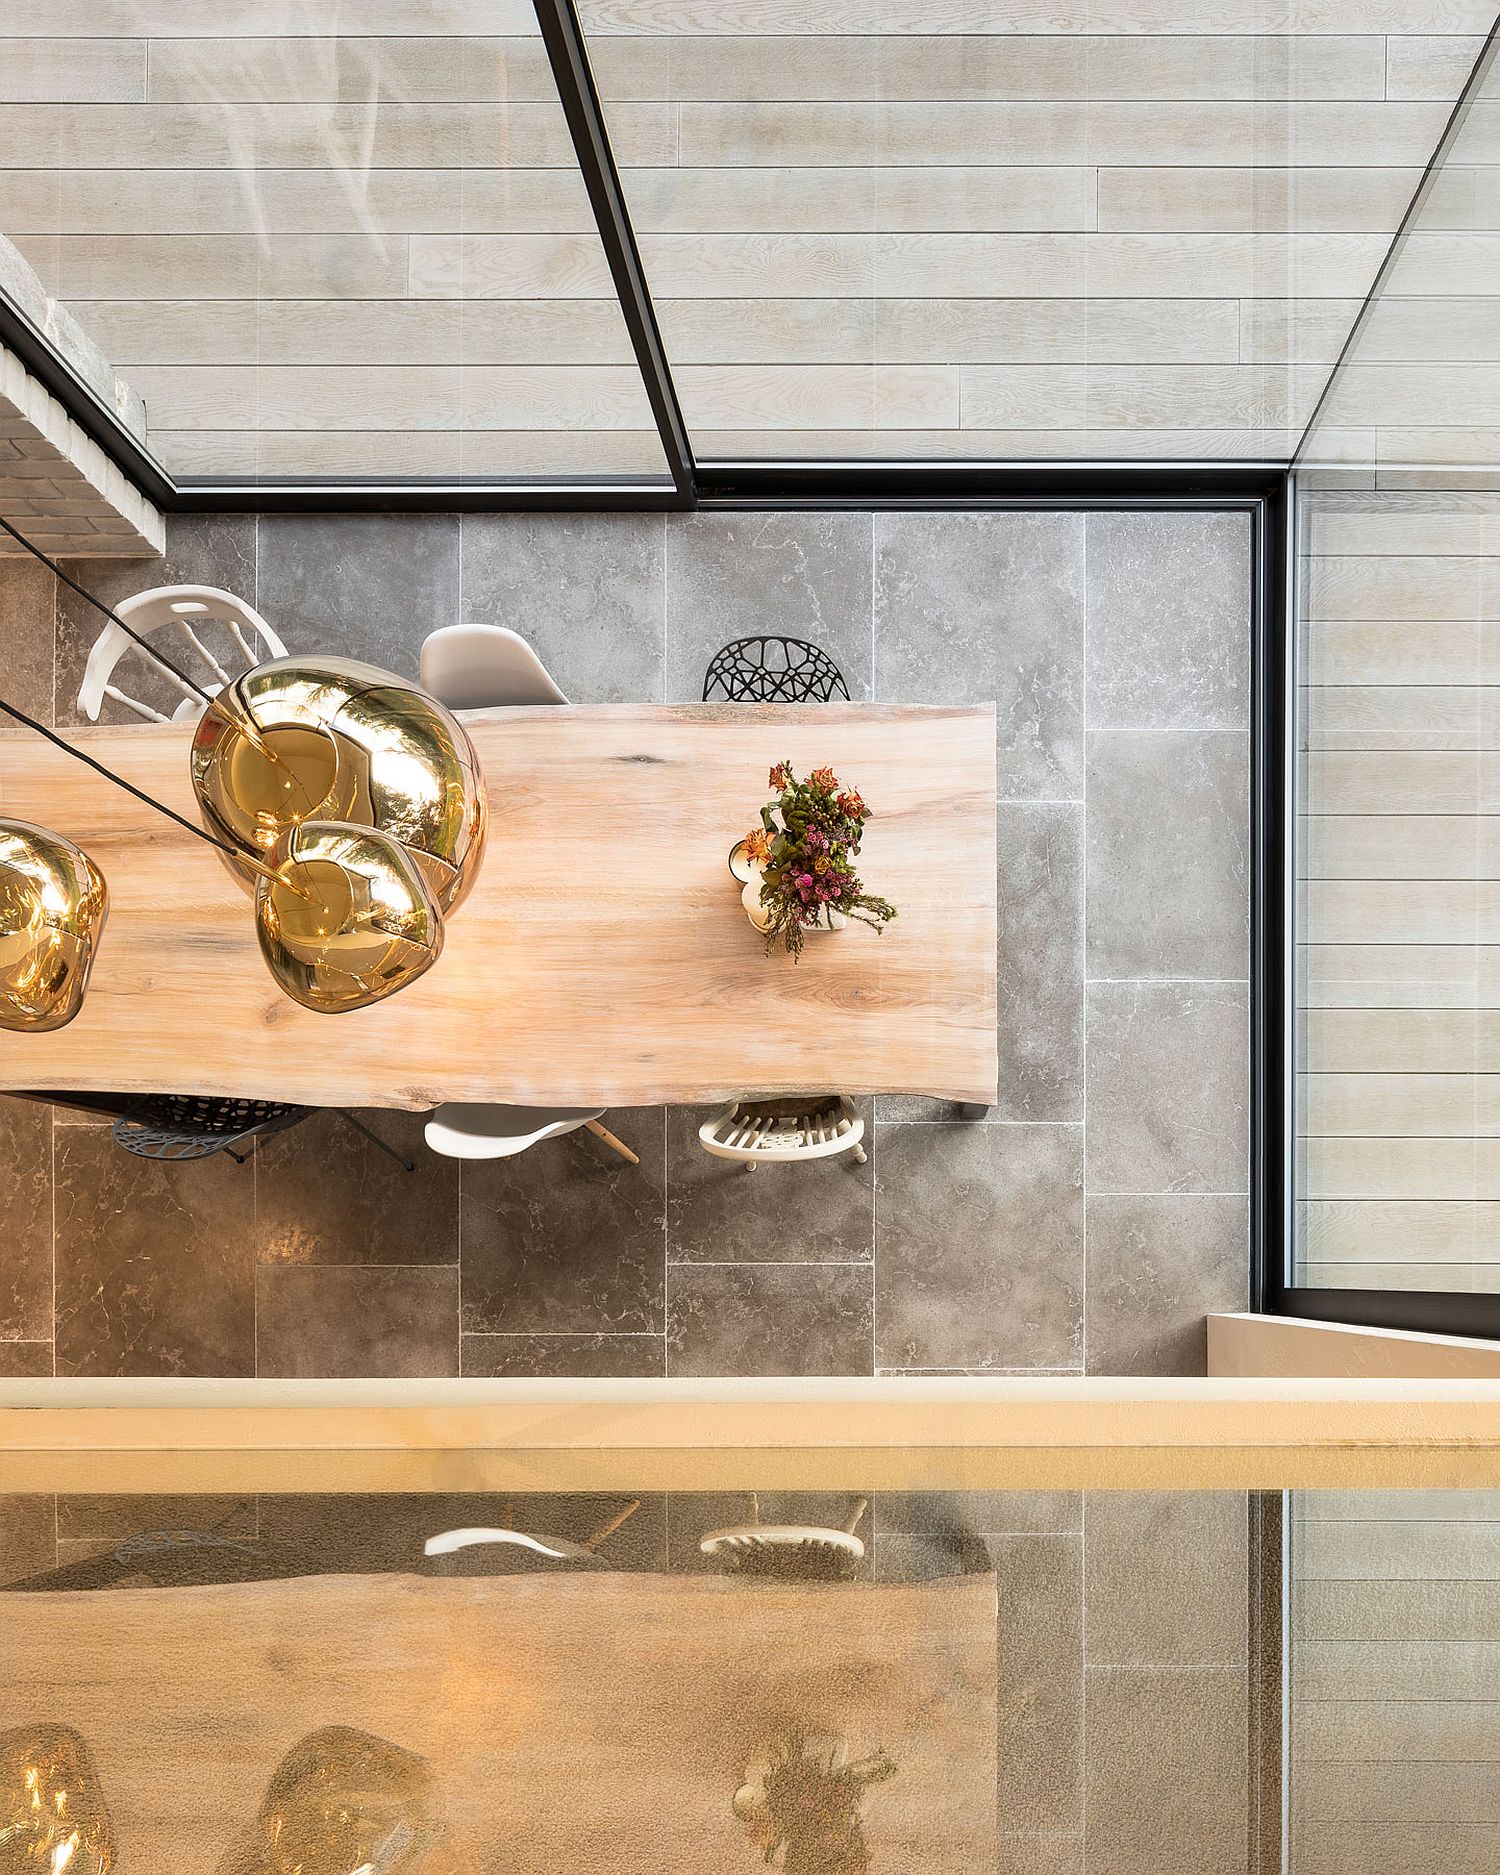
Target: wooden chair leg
[{"x": 615, "y": 1145}]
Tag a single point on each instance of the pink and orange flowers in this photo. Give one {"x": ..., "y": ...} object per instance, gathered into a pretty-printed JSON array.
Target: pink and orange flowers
[{"x": 805, "y": 844}]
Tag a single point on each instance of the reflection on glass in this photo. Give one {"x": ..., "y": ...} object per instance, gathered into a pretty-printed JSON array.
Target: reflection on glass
[
  {"x": 53, "y": 1817},
  {"x": 340, "y": 1803},
  {"x": 1398, "y": 959},
  {"x": 1108, "y": 1685}
]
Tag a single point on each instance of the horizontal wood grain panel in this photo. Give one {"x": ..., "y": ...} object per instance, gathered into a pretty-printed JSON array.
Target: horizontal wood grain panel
[
  {"x": 1407, "y": 1041},
  {"x": 1398, "y": 976},
  {"x": 1445, "y": 1169},
  {"x": 1360, "y": 781},
  {"x": 1389, "y": 1231},
  {"x": 1409, "y": 1106},
  {"x": 1392, "y": 716},
  {"x": 635, "y": 1000},
  {"x": 1225, "y": 200}
]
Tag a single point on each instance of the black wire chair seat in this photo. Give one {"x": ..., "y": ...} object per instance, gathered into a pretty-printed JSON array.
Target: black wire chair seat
[
  {"x": 773, "y": 670},
  {"x": 196, "y": 1126}
]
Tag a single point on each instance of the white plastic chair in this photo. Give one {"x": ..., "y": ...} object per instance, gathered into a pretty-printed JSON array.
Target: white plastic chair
[
  {"x": 482, "y": 1550},
  {"x": 184, "y": 607},
  {"x": 484, "y": 667},
  {"x": 783, "y": 1128},
  {"x": 460, "y": 1130}
]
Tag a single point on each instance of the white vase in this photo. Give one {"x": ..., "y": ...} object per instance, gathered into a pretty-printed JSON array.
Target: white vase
[{"x": 760, "y": 916}]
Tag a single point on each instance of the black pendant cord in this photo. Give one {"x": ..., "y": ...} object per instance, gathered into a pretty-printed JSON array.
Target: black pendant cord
[
  {"x": 99, "y": 605},
  {"x": 109, "y": 774}
]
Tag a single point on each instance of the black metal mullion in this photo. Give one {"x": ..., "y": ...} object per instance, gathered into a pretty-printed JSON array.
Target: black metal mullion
[{"x": 562, "y": 35}]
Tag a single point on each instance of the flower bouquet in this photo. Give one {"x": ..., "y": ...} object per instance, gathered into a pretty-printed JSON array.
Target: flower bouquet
[{"x": 801, "y": 853}]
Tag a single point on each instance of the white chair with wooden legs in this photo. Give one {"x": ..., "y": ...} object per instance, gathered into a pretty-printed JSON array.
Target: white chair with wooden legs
[
  {"x": 780, "y": 1129},
  {"x": 460, "y": 1130},
  {"x": 484, "y": 667},
  {"x": 189, "y": 608}
]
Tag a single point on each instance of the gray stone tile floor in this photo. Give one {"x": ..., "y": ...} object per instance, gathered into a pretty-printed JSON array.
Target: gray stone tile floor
[{"x": 1087, "y": 1224}]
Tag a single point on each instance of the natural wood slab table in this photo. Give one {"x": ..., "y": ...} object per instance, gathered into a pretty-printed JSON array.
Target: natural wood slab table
[{"x": 603, "y": 956}]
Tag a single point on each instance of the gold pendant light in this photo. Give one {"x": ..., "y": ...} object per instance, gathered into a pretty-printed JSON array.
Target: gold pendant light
[
  {"x": 53, "y": 906},
  {"x": 53, "y": 1817},
  {"x": 341, "y": 1802},
  {"x": 347, "y": 917},
  {"x": 303, "y": 739}
]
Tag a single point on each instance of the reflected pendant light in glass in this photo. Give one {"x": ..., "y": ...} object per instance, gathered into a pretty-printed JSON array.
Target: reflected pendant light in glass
[{"x": 53, "y": 1817}]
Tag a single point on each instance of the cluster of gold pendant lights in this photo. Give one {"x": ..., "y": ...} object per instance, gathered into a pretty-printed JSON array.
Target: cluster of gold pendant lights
[
  {"x": 349, "y": 802},
  {"x": 341, "y": 1802}
]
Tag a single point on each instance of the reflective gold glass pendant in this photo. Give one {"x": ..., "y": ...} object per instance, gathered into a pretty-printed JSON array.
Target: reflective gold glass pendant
[
  {"x": 53, "y": 905},
  {"x": 349, "y": 919},
  {"x": 341, "y": 1802},
  {"x": 335, "y": 740},
  {"x": 53, "y": 1818}
]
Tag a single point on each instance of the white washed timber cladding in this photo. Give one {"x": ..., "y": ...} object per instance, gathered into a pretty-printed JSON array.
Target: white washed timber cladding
[{"x": 871, "y": 226}]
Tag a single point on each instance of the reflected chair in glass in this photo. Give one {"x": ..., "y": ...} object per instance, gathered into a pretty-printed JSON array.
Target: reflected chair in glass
[
  {"x": 781, "y": 1129},
  {"x": 170, "y": 1559},
  {"x": 483, "y": 1130},
  {"x": 487, "y": 1551},
  {"x": 484, "y": 667},
  {"x": 189, "y": 608},
  {"x": 773, "y": 670},
  {"x": 788, "y": 1552},
  {"x": 196, "y": 1126}
]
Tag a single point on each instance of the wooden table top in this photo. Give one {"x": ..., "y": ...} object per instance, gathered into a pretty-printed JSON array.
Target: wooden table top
[{"x": 603, "y": 956}]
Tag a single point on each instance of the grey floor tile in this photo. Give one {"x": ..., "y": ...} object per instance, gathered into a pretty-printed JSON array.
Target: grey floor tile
[
  {"x": 202, "y": 550},
  {"x": 375, "y": 1321},
  {"x": 1169, "y": 621},
  {"x": 26, "y": 1208},
  {"x": 586, "y": 591},
  {"x": 717, "y": 1212},
  {"x": 106, "y": 1519},
  {"x": 25, "y": 1360},
  {"x": 1167, "y": 1578},
  {"x": 971, "y": 608},
  {"x": 349, "y": 1532},
  {"x": 984, "y": 1513},
  {"x": 28, "y": 1535},
  {"x": 155, "y": 1263},
  {"x": 326, "y": 1194},
  {"x": 568, "y": 1238},
  {"x": 1167, "y": 1770},
  {"x": 28, "y": 603},
  {"x": 979, "y": 1246},
  {"x": 1040, "y": 970},
  {"x": 1157, "y": 1267},
  {"x": 1039, "y": 1584},
  {"x": 796, "y": 575},
  {"x": 1168, "y": 1087},
  {"x": 768, "y": 1318},
  {"x": 1168, "y": 854},
  {"x": 365, "y": 586},
  {"x": 574, "y": 1357}
]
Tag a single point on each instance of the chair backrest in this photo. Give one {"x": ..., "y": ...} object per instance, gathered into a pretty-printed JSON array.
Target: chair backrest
[
  {"x": 784, "y": 1127},
  {"x": 484, "y": 667},
  {"x": 773, "y": 670},
  {"x": 185, "y": 607},
  {"x": 464, "y": 1130}
]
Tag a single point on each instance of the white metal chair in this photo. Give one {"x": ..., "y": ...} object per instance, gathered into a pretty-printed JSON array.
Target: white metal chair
[
  {"x": 460, "y": 1130},
  {"x": 484, "y": 667},
  {"x": 788, "y": 1551},
  {"x": 479, "y": 1550},
  {"x": 782, "y": 1128},
  {"x": 186, "y": 607}
]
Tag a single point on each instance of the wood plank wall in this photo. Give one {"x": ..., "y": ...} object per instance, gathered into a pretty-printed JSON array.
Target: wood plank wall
[
  {"x": 1400, "y": 857},
  {"x": 326, "y": 238},
  {"x": 1395, "y": 1682}
]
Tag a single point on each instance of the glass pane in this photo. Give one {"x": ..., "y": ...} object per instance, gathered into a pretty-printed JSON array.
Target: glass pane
[
  {"x": 889, "y": 230},
  {"x": 1398, "y": 1110},
  {"x": 326, "y": 241}
]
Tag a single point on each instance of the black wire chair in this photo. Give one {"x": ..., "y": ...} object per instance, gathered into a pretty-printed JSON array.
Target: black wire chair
[
  {"x": 196, "y": 1126},
  {"x": 773, "y": 670}
]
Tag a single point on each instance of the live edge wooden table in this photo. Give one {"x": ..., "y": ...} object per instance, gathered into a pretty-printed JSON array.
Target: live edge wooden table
[{"x": 603, "y": 956}]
